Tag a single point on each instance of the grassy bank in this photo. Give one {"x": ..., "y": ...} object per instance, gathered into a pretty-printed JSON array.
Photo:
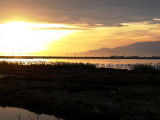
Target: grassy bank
[{"x": 80, "y": 92}]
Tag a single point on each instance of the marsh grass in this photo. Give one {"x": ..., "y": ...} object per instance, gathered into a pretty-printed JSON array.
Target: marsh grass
[
  {"x": 144, "y": 68},
  {"x": 21, "y": 67},
  {"x": 77, "y": 91}
]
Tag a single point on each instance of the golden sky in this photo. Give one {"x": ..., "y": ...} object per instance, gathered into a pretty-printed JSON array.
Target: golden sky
[{"x": 54, "y": 27}]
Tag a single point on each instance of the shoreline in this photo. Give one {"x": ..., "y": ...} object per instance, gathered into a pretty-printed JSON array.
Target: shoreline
[{"x": 77, "y": 57}]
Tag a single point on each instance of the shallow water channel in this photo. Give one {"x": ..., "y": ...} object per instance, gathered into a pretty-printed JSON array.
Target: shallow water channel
[{"x": 11, "y": 113}]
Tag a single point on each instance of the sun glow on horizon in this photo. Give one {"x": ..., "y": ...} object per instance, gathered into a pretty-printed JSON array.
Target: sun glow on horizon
[{"x": 25, "y": 38}]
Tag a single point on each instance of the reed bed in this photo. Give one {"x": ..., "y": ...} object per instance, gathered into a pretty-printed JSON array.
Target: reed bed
[{"x": 78, "y": 91}]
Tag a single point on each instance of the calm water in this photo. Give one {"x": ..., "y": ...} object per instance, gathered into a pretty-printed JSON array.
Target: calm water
[
  {"x": 106, "y": 63},
  {"x": 94, "y": 61},
  {"x": 111, "y": 61},
  {"x": 9, "y": 113}
]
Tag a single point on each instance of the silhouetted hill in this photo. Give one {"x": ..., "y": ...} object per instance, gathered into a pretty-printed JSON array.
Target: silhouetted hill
[{"x": 136, "y": 49}]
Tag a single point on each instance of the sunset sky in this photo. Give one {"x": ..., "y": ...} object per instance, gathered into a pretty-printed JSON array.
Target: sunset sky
[{"x": 43, "y": 27}]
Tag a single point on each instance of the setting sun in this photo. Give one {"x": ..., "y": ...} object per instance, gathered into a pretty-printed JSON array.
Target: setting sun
[{"x": 25, "y": 38}]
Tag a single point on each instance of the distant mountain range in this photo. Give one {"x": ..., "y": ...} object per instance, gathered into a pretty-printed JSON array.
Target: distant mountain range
[{"x": 137, "y": 49}]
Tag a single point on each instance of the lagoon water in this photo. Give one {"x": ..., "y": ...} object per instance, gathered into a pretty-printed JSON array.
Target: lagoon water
[
  {"x": 107, "y": 63},
  {"x": 94, "y": 61},
  {"x": 111, "y": 61},
  {"x": 9, "y": 113}
]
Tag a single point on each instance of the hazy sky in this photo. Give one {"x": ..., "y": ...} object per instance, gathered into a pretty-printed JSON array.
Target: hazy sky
[{"x": 91, "y": 24}]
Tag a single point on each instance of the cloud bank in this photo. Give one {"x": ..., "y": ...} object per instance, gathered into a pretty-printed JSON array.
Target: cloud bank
[{"x": 107, "y": 13}]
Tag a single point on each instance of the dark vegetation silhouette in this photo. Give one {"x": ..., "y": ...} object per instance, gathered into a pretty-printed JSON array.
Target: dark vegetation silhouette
[{"x": 77, "y": 91}]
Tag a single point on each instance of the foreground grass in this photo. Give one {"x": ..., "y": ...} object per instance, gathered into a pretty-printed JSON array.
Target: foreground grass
[{"x": 81, "y": 92}]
